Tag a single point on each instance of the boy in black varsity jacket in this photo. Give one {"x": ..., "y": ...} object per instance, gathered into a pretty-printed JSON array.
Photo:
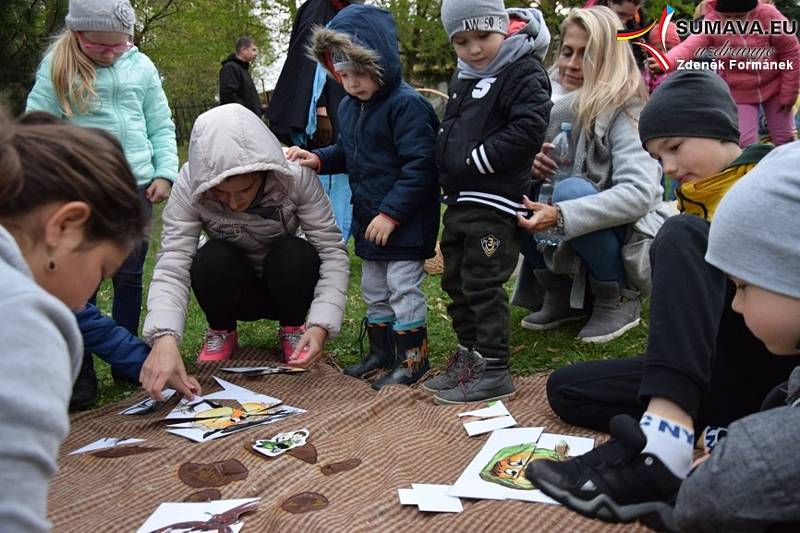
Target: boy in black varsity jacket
[{"x": 494, "y": 124}]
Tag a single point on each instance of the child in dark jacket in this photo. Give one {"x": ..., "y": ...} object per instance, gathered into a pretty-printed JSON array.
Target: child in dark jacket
[
  {"x": 494, "y": 124},
  {"x": 386, "y": 143},
  {"x": 113, "y": 344}
]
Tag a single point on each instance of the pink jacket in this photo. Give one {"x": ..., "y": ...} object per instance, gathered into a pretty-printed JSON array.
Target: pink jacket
[{"x": 751, "y": 86}]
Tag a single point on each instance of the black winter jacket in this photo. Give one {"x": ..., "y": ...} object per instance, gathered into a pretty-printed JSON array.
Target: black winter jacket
[
  {"x": 492, "y": 129},
  {"x": 236, "y": 86}
]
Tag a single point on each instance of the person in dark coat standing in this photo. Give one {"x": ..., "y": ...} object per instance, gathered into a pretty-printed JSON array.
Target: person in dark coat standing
[
  {"x": 386, "y": 145},
  {"x": 235, "y": 84},
  {"x": 288, "y": 112}
]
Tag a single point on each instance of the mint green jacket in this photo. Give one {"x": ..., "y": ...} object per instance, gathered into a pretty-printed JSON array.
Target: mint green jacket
[{"x": 131, "y": 105}]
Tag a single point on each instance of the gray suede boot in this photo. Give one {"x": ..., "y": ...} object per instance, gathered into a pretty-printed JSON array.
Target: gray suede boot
[
  {"x": 615, "y": 311},
  {"x": 449, "y": 379},
  {"x": 528, "y": 292},
  {"x": 556, "y": 309},
  {"x": 481, "y": 379}
]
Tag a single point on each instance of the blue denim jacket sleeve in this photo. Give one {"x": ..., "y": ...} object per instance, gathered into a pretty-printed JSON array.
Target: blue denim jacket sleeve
[{"x": 114, "y": 344}]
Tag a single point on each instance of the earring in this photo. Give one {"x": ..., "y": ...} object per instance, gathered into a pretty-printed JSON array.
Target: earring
[{"x": 51, "y": 265}]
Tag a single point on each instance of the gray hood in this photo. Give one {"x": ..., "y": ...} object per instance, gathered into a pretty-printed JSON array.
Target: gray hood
[{"x": 230, "y": 140}]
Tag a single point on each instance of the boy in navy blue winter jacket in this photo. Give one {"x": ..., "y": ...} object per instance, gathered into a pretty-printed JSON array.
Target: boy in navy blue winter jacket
[{"x": 387, "y": 134}]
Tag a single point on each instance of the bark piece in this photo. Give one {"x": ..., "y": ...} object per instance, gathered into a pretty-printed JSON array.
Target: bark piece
[
  {"x": 205, "y": 495},
  {"x": 306, "y": 452},
  {"x": 122, "y": 451},
  {"x": 304, "y": 502},
  {"x": 212, "y": 474},
  {"x": 341, "y": 466}
]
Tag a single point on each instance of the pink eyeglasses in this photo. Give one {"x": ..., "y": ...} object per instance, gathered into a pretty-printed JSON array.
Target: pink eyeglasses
[{"x": 115, "y": 49}]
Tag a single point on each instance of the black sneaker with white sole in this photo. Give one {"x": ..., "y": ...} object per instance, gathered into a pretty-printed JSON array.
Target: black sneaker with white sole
[{"x": 615, "y": 482}]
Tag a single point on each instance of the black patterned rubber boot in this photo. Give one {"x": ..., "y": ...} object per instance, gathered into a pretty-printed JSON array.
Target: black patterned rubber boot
[
  {"x": 381, "y": 349},
  {"x": 411, "y": 358}
]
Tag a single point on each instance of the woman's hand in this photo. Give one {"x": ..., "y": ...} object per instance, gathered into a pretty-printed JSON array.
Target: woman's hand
[
  {"x": 314, "y": 338},
  {"x": 159, "y": 190},
  {"x": 304, "y": 157},
  {"x": 544, "y": 216},
  {"x": 164, "y": 366},
  {"x": 379, "y": 230},
  {"x": 543, "y": 166}
]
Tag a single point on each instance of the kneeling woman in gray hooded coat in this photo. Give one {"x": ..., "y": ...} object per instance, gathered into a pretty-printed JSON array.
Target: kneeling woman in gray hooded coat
[{"x": 273, "y": 250}]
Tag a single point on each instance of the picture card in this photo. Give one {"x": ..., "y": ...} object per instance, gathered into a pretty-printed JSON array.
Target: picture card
[
  {"x": 506, "y": 451},
  {"x": 493, "y": 417},
  {"x": 218, "y": 515},
  {"x": 552, "y": 447},
  {"x": 436, "y": 498},
  {"x": 264, "y": 370},
  {"x": 102, "y": 444},
  {"x": 206, "y": 429},
  {"x": 281, "y": 443},
  {"x": 148, "y": 405}
]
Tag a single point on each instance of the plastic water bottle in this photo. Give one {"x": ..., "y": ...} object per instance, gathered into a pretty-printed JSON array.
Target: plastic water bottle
[{"x": 563, "y": 153}]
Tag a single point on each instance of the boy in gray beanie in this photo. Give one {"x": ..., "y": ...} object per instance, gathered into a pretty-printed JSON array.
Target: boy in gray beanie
[
  {"x": 494, "y": 124},
  {"x": 755, "y": 239}
]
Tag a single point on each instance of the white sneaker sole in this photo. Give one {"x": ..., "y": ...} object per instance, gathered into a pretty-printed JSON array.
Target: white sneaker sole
[
  {"x": 442, "y": 401},
  {"x": 611, "y": 336}
]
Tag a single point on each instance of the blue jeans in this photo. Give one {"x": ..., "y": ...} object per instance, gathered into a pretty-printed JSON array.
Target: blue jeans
[
  {"x": 337, "y": 187},
  {"x": 599, "y": 250}
]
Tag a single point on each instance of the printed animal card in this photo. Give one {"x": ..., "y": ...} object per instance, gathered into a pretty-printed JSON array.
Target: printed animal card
[
  {"x": 228, "y": 420},
  {"x": 200, "y": 406},
  {"x": 490, "y": 418},
  {"x": 102, "y": 444},
  {"x": 506, "y": 452},
  {"x": 281, "y": 443},
  {"x": 549, "y": 447},
  {"x": 264, "y": 370},
  {"x": 218, "y": 515},
  {"x": 148, "y": 405}
]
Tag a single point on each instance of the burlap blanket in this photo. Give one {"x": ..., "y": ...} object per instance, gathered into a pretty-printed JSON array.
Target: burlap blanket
[{"x": 399, "y": 435}]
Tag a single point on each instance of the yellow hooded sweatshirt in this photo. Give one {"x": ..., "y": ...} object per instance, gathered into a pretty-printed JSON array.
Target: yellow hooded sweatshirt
[{"x": 701, "y": 197}]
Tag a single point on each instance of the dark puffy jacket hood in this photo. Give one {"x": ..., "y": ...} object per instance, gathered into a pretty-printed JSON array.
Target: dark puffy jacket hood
[{"x": 367, "y": 37}]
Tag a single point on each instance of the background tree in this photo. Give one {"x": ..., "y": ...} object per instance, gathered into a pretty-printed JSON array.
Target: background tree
[{"x": 26, "y": 26}]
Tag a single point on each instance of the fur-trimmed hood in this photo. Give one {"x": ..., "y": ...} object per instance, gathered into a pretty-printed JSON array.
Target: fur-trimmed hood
[{"x": 367, "y": 38}]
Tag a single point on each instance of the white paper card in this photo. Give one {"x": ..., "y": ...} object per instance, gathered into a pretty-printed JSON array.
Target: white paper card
[
  {"x": 435, "y": 498},
  {"x": 102, "y": 444},
  {"x": 407, "y": 496},
  {"x": 471, "y": 485},
  {"x": 148, "y": 405},
  {"x": 168, "y": 514},
  {"x": 493, "y": 417}
]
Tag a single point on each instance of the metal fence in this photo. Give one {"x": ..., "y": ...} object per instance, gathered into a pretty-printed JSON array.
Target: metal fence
[{"x": 184, "y": 114}]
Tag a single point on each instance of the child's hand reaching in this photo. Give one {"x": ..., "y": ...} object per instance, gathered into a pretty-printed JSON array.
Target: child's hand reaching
[
  {"x": 159, "y": 190},
  {"x": 304, "y": 157},
  {"x": 379, "y": 229}
]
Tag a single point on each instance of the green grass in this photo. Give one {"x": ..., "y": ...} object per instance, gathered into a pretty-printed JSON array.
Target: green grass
[{"x": 531, "y": 351}]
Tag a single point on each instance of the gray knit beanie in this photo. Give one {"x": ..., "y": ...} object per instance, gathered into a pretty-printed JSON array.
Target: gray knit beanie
[
  {"x": 100, "y": 15},
  {"x": 690, "y": 103},
  {"x": 474, "y": 15},
  {"x": 754, "y": 235}
]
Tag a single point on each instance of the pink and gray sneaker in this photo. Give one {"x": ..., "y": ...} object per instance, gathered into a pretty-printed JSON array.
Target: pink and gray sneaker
[
  {"x": 289, "y": 337},
  {"x": 219, "y": 345}
]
